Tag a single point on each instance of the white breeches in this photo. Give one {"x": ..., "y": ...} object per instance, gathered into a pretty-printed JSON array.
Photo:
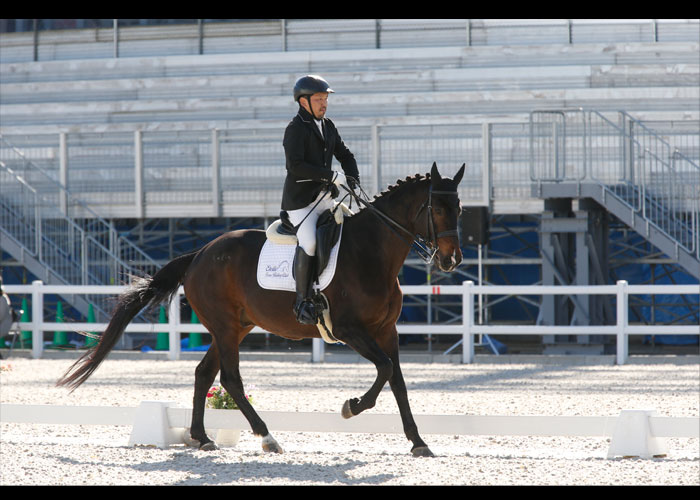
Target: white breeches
[{"x": 306, "y": 234}]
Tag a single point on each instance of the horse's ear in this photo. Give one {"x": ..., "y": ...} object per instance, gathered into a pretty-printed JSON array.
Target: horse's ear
[
  {"x": 460, "y": 173},
  {"x": 434, "y": 174}
]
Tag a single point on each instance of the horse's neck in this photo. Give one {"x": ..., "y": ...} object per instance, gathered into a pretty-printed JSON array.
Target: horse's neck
[
  {"x": 391, "y": 244},
  {"x": 403, "y": 204}
]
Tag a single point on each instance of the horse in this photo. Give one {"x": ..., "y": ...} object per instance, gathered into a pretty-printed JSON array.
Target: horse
[{"x": 365, "y": 298}]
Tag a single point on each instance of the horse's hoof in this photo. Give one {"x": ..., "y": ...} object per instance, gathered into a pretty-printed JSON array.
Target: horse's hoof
[
  {"x": 188, "y": 440},
  {"x": 346, "y": 412},
  {"x": 422, "y": 451},
  {"x": 209, "y": 446},
  {"x": 269, "y": 445}
]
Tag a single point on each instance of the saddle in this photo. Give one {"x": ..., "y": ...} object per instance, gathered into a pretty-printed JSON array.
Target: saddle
[{"x": 328, "y": 229}]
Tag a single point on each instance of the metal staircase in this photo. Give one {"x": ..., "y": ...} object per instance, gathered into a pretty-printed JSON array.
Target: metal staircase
[
  {"x": 37, "y": 230},
  {"x": 635, "y": 174}
]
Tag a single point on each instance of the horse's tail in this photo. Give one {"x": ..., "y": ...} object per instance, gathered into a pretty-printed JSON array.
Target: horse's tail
[{"x": 143, "y": 292}]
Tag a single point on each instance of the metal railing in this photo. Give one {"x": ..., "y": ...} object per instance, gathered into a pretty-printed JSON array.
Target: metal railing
[
  {"x": 74, "y": 251},
  {"x": 652, "y": 177},
  {"x": 240, "y": 171}
]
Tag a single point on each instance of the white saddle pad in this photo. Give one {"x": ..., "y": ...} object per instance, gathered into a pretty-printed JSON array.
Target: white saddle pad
[{"x": 275, "y": 267}]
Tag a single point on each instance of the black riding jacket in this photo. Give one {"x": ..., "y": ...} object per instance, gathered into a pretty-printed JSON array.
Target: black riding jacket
[{"x": 309, "y": 157}]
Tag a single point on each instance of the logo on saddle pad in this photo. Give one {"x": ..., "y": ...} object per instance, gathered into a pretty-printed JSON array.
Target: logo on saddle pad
[{"x": 280, "y": 270}]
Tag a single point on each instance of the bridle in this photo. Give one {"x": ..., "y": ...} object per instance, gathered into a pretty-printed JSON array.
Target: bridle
[
  {"x": 428, "y": 250},
  {"x": 425, "y": 248}
]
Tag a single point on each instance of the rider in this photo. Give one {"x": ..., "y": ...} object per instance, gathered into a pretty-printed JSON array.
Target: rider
[{"x": 310, "y": 142}]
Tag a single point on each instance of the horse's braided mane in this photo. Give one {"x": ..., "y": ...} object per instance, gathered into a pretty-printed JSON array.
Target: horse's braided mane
[{"x": 401, "y": 183}]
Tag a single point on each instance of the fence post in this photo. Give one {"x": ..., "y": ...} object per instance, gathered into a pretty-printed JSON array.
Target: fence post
[
  {"x": 377, "y": 33},
  {"x": 317, "y": 350},
  {"x": 486, "y": 163},
  {"x": 115, "y": 37},
  {"x": 174, "y": 328},
  {"x": 63, "y": 172},
  {"x": 37, "y": 319},
  {"x": 215, "y": 174},
  {"x": 200, "y": 36},
  {"x": 622, "y": 319},
  {"x": 467, "y": 322},
  {"x": 376, "y": 167},
  {"x": 38, "y": 228},
  {"x": 139, "y": 198},
  {"x": 283, "y": 30}
]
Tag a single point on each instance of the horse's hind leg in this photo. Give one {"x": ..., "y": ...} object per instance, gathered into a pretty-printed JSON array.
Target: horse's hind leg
[
  {"x": 231, "y": 380},
  {"x": 204, "y": 376}
]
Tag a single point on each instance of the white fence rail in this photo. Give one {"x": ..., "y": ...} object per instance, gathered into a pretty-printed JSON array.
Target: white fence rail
[
  {"x": 160, "y": 423},
  {"x": 467, "y": 329}
]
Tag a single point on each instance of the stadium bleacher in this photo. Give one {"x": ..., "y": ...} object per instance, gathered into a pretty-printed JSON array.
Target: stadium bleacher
[
  {"x": 648, "y": 79},
  {"x": 425, "y": 75},
  {"x": 422, "y": 90}
]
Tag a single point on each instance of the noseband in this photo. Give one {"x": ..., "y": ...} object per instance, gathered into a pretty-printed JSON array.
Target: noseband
[{"x": 426, "y": 249}]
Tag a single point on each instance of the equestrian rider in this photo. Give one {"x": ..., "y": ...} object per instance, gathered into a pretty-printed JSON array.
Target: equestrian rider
[{"x": 310, "y": 143}]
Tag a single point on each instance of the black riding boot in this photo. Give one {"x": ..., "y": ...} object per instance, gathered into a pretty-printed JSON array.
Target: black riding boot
[{"x": 303, "y": 274}]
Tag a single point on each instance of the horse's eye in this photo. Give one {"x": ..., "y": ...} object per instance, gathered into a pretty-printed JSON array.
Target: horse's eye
[{"x": 438, "y": 210}]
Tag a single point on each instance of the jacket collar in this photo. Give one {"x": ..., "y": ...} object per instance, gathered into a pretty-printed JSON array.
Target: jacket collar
[{"x": 307, "y": 118}]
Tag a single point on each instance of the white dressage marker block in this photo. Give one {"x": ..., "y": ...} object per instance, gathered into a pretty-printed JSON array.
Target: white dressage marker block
[
  {"x": 151, "y": 426},
  {"x": 632, "y": 436}
]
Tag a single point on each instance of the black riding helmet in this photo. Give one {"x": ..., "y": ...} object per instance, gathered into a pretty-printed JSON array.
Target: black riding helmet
[{"x": 308, "y": 85}]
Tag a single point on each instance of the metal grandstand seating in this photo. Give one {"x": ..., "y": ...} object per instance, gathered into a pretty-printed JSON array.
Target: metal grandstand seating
[{"x": 170, "y": 124}]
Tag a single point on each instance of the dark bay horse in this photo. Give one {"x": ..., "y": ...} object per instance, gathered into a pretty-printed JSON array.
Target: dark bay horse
[{"x": 365, "y": 298}]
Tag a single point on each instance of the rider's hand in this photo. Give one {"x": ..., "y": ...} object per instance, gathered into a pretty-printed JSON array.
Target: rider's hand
[
  {"x": 352, "y": 182},
  {"x": 333, "y": 190}
]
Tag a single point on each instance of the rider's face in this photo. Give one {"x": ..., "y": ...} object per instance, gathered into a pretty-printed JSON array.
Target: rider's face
[{"x": 319, "y": 104}]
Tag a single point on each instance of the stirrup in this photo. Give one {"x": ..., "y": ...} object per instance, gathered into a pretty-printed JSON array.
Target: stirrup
[{"x": 305, "y": 312}]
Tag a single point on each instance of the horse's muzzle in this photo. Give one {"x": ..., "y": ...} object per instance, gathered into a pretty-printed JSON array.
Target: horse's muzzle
[{"x": 449, "y": 262}]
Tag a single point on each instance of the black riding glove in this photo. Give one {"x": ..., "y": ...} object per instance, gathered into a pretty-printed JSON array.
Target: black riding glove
[{"x": 333, "y": 190}]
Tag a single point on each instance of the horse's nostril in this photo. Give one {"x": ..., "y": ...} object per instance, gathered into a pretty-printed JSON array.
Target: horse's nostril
[{"x": 448, "y": 262}]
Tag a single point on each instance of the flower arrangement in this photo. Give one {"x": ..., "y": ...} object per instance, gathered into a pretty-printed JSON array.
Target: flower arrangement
[{"x": 219, "y": 399}]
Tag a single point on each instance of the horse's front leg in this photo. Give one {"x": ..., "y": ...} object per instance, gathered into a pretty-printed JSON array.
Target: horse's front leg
[
  {"x": 398, "y": 387},
  {"x": 363, "y": 344}
]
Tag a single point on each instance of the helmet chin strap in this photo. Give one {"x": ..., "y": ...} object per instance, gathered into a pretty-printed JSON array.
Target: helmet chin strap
[{"x": 311, "y": 108}]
